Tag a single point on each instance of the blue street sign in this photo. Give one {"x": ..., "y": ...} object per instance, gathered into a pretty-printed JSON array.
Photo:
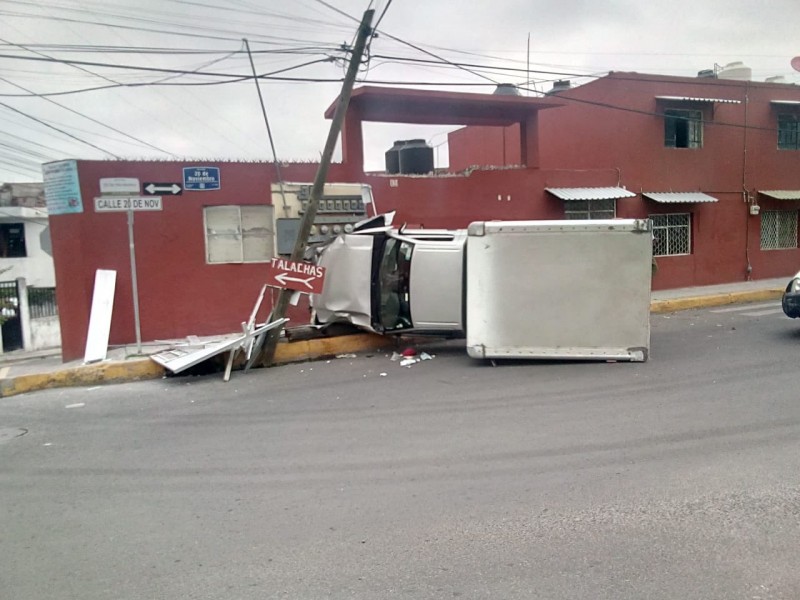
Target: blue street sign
[{"x": 200, "y": 178}]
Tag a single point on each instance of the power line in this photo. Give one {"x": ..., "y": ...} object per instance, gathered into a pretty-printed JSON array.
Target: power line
[
  {"x": 11, "y": 108},
  {"x": 409, "y": 44},
  {"x": 27, "y": 141},
  {"x": 262, "y": 39},
  {"x": 233, "y": 79},
  {"x": 92, "y": 119}
]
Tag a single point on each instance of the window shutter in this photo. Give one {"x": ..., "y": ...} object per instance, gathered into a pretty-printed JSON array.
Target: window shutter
[
  {"x": 223, "y": 234},
  {"x": 257, "y": 233}
]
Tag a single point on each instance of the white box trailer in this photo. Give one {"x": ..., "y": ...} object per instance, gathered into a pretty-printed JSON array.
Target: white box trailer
[{"x": 559, "y": 289}]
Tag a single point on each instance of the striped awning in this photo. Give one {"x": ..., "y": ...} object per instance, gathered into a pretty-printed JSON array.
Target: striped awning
[
  {"x": 696, "y": 99},
  {"x": 590, "y": 193},
  {"x": 781, "y": 194},
  {"x": 679, "y": 197}
]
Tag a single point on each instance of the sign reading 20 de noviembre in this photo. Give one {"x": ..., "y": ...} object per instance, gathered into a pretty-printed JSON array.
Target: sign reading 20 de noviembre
[{"x": 201, "y": 179}]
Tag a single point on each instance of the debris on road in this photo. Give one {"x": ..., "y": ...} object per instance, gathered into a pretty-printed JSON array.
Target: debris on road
[{"x": 412, "y": 360}]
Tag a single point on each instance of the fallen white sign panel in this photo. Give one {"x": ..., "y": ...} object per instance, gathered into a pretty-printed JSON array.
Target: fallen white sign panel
[
  {"x": 100, "y": 318},
  {"x": 180, "y": 358}
]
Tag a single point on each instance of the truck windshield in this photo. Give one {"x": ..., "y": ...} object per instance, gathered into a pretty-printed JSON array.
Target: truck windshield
[{"x": 393, "y": 282}]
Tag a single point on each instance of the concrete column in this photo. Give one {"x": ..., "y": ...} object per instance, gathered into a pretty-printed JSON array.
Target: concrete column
[
  {"x": 353, "y": 143},
  {"x": 24, "y": 313}
]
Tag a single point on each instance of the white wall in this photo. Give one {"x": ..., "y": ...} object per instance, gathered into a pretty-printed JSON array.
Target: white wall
[
  {"x": 37, "y": 267},
  {"x": 45, "y": 333}
]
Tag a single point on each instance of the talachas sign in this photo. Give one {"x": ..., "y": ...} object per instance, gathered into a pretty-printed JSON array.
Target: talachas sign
[{"x": 293, "y": 275}]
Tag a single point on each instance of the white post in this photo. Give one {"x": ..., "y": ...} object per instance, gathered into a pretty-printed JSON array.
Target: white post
[
  {"x": 24, "y": 313},
  {"x": 134, "y": 285}
]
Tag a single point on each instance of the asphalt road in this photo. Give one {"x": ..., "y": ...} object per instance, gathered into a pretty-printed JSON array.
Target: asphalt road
[{"x": 359, "y": 478}]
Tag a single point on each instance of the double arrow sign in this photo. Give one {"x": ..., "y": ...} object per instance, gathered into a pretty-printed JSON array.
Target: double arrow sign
[{"x": 172, "y": 189}]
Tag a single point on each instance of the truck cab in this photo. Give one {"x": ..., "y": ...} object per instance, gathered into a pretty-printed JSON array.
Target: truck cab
[{"x": 391, "y": 280}]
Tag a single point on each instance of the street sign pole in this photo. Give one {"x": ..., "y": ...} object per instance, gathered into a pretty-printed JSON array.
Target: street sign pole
[{"x": 134, "y": 284}]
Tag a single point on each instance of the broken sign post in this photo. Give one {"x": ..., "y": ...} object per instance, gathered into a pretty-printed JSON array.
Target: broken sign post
[{"x": 301, "y": 277}]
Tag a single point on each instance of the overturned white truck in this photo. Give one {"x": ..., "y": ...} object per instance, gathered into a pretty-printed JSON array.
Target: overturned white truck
[{"x": 515, "y": 289}]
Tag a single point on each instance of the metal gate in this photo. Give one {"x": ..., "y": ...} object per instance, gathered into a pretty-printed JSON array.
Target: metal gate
[{"x": 9, "y": 316}]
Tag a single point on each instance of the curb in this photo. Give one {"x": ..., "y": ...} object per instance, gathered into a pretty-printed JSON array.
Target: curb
[
  {"x": 676, "y": 304},
  {"x": 143, "y": 368},
  {"x": 305, "y": 350}
]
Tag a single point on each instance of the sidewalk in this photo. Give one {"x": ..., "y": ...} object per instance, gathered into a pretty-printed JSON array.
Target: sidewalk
[{"x": 22, "y": 372}]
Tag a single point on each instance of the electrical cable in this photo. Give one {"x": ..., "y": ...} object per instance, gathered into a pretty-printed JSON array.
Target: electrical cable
[
  {"x": 92, "y": 119},
  {"x": 11, "y": 108},
  {"x": 262, "y": 39}
]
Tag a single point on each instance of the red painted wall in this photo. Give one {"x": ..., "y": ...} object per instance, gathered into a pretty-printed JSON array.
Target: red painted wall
[{"x": 483, "y": 146}]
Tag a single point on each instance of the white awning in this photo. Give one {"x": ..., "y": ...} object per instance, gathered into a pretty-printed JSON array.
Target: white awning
[
  {"x": 781, "y": 194},
  {"x": 785, "y": 102},
  {"x": 695, "y": 99},
  {"x": 679, "y": 197},
  {"x": 590, "y": 193}
]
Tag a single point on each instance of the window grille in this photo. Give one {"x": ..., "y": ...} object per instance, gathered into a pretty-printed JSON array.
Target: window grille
[
  {"x": 42, "y": 302},
  {"x": 788, "y": 132},
  {"x": 778, "y": 229},
  {"x": 236, "y": 234},
  {"x": 605, "y": 208},
  {"x": 683, "y": 128},
  {"x": 672, "y": 234}
]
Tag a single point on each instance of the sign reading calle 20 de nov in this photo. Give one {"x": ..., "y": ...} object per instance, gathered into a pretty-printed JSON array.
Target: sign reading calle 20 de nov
[{"x": 300, "y": 276}]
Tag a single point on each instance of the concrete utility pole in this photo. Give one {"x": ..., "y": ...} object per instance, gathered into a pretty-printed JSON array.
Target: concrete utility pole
[{"x": 279, "y": 310}]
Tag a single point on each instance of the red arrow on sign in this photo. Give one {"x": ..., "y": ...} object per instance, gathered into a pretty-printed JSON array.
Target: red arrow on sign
[{"x": 300, "y": 276}]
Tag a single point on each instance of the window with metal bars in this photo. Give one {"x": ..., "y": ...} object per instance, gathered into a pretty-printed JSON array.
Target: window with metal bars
[
  {"x": 683, "y": 128},
  {"x": 605, "y": 208},
  {"x": 778, "y": 229},
  {"x": 672, "y": 234},
  {"x": 788, "y": 132}
]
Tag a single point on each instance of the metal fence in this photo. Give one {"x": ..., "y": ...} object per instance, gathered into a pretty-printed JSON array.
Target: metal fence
[
  {"x": 42, "y": 302},
  {"x": 8, "y": 299}
]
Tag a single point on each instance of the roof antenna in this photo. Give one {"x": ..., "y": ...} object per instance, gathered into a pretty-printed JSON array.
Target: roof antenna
[{"x": 528, "y": 83}]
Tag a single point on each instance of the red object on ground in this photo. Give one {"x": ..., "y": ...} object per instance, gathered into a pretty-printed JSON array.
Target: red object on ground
[{"x": 409, "y": 352}]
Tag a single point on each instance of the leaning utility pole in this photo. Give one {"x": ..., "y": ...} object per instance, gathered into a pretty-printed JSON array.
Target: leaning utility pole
[{"x": 279, "y": 310}]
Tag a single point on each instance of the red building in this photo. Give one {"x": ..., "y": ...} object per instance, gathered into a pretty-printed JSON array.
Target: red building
[{"x": 714, "y": 162}]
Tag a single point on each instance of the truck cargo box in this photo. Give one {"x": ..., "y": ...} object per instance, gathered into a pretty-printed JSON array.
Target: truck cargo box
[{"x": 559, "y": 289}]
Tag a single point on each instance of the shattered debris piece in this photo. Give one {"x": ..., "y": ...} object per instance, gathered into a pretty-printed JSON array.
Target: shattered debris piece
[
  {"x": 411, "y": 360},
  {"x": 383, "y": 374},
  {"x": 348, "y": 355}
]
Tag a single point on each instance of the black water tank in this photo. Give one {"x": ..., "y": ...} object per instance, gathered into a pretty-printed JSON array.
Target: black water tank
[
  {"x": 393, "y": 158},
  {"x": 416, "y": 158}
]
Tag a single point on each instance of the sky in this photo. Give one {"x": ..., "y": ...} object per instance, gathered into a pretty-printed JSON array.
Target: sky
[{"x": 172, "y": 80}]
